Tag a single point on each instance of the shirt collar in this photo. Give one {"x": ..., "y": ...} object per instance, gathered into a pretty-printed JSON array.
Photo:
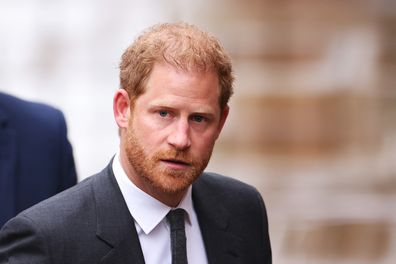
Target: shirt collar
[{"x": 147, "y": 211}]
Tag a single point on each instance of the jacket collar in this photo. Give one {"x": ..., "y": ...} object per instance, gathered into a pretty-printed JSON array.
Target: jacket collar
[{"x": 114, "y": 221}]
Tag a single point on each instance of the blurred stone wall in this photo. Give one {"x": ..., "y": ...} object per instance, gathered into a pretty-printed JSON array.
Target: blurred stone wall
[{"x": 313, "y": 123}]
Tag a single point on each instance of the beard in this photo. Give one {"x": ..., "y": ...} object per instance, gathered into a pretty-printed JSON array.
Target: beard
[{"x": 159, "y": 176}]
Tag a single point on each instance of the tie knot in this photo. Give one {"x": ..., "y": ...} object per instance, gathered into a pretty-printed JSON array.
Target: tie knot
[{"x": 176, "y": 219}]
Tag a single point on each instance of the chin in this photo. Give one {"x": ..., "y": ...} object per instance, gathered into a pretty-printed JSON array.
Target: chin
[{"x": 173, "y": 184}]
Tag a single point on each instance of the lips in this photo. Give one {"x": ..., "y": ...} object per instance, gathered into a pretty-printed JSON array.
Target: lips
[{"x": 177, "y": 162}]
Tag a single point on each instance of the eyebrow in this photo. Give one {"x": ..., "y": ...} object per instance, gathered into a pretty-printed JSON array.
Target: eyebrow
[{"x": 167, "y": 104}]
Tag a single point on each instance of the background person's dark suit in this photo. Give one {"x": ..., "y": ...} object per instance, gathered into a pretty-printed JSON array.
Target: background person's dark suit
[
  {"x": 90, "y": 223},
  {"x": 36, "y": 158}
]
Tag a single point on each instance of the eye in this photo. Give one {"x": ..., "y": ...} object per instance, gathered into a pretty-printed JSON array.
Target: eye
[
  {"x": 163, "y": 113},
  {"x": 198, "y": 118}
]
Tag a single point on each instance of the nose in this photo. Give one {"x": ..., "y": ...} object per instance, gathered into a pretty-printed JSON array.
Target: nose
[{"x": 179, "y": 137}]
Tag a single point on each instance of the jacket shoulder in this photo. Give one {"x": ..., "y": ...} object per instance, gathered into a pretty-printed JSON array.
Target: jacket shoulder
[
  {"x": 238, "y": 197},
  {"x": 18, "y": 106},
  {"x": 63, "y": 207},
  {"x": 55, "y": 229},
  {"x": 24, "y": 113},
  {"x": 224, "y": 185}
]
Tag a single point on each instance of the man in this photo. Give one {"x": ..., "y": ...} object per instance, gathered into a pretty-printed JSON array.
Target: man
[
  {"x": 36, "y": 159},
  {"x": 153, "y": 203}
]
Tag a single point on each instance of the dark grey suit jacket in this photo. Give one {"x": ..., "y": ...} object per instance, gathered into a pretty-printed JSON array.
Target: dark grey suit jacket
[{"x": 90, "y": 223}]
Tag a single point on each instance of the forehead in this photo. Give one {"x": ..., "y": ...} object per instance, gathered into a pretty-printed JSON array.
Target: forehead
[{"x": 167, "y": 84}]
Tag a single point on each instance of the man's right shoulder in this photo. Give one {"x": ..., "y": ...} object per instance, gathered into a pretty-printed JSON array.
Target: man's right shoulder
[
  {"x": 58, "y": 208},
  {"x": 64, "y": 209},
  {"x": 57, "y": 230},
  {"x": 52, "y": 223}
]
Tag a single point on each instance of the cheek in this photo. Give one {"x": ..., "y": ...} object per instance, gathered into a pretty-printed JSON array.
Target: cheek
[
  {"x": 204, "y": 142},
  {"x": 149, "y": 133}
]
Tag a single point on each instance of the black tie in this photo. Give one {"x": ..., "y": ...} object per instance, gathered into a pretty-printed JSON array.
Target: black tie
[{"x": 178, "y": 236}]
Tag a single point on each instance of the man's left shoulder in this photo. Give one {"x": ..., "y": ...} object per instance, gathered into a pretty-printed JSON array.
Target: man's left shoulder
[
  {"x": 222, "y": 181},
  {"x": 220, "y": 185}
]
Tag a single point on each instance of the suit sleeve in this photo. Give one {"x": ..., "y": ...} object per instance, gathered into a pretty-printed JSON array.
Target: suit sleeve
[
  {"x": 21, "y": 243},
  {"x": 266, "y": 246},
  {"x": 68, "y": 175}
]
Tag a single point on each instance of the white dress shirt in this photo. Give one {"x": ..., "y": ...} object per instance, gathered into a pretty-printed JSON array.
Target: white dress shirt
[{"x": 151, "y": 225}]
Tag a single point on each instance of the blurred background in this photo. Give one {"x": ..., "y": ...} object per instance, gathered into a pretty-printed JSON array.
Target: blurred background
[{"x": 312, "y": 122}]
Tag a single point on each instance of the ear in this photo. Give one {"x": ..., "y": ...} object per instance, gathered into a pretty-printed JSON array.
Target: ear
[
  {"x": 121, "y": 108},
  {"x": 223, "y": 118}
]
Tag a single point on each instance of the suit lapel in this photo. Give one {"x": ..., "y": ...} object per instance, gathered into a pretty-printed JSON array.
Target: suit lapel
[
  {"x": 221, "y": 245},
  {"x": 115, "y": 226},
  {"x": 8, "y": 161}
]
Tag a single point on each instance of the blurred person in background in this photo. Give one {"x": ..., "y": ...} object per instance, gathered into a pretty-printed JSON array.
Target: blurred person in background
[
  {"x": 153, "y": 203},
  {"x": 36, "y": 159}
]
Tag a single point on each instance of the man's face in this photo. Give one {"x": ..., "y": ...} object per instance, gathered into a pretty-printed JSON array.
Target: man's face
[{"x": 172, "y": 129}]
